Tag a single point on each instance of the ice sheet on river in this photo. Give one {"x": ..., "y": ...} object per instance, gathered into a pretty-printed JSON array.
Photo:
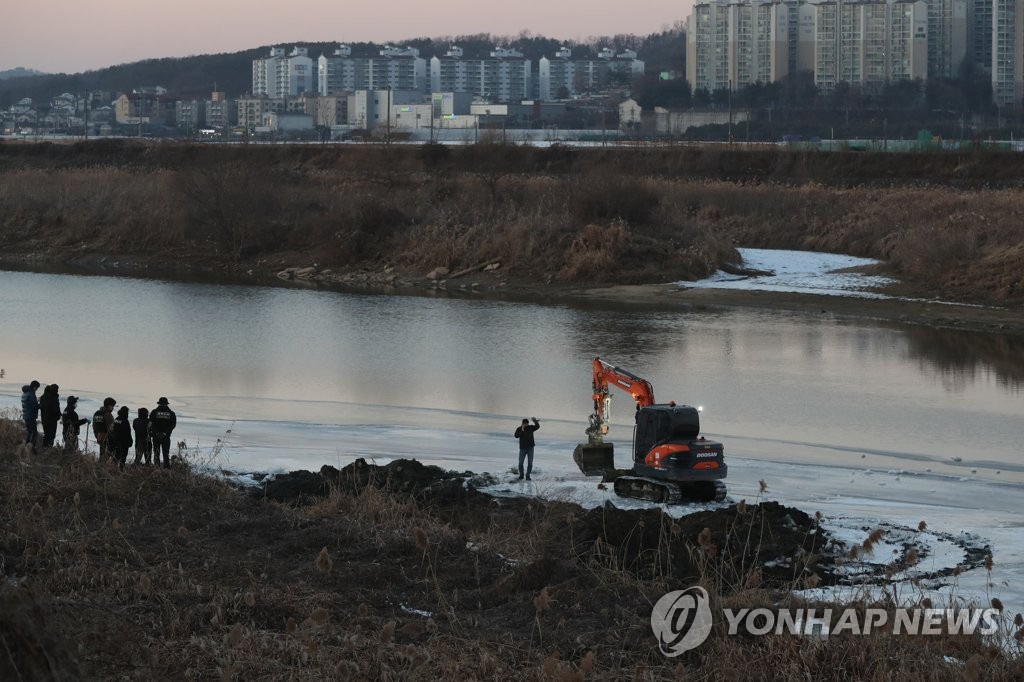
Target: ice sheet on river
[{"x": 804, "y": 272}]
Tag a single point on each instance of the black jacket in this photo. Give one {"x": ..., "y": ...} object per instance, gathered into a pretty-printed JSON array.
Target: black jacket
[
  {"x": 525, "y": 434},
  {"x": 123, "y": 433},
  {"x": 49, "y": 405},
  {"x": 162, "y": 420},
  {"x": 72, "y": 424},
  {"x": 141, "y": 427}
]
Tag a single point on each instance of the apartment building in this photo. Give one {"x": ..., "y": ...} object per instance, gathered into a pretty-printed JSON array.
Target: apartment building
[
  {"x": 1008, "y": 52},
  {"x": 140, "y": 107},
  {"x": 219, "y": 111},
  {"x": 947, "y": 37},
  {"x": 397, "y": 68},
  {"x": 505, "y": 76},
  {"x": 735, "y": 43},
  {"x": 979, "y": 35},
  {"x": 564, "y": 77},
  {"x": 864, "y": 42},
  {"x": 283, "y": 75}
]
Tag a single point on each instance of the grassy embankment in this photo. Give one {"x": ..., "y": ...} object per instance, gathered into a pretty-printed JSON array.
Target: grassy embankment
[
  {"x": 950, "y": 224},
  {"x": 153, "y": 574}
]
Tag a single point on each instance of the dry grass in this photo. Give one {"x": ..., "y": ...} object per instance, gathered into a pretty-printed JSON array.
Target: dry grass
[
  {"x": 556, "y": 214},
  {"x": 164, "y": 574}
]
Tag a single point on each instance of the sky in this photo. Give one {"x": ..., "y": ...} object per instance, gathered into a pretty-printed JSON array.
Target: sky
[{"x": 74, "y": 36}]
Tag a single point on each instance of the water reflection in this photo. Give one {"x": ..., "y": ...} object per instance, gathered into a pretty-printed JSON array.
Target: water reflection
[
  {"x": 315, "y": 357},
  {"x": 962, "y": 358}
]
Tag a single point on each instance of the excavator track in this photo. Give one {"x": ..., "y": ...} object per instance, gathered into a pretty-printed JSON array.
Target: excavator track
[
  {"x": 650, "y": 489},
  {"x": 669, "y": 492}
]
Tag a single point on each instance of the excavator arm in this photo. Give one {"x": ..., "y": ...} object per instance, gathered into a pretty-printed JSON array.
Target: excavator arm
[{"x": 606, "y": 375}]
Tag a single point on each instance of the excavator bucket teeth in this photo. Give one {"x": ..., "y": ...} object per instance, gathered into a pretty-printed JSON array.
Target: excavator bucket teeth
[{"x": 594, "y": 460}]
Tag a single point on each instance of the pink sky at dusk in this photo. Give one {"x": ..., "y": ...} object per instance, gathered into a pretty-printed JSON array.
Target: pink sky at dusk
[{"x": 73, "y": 36}]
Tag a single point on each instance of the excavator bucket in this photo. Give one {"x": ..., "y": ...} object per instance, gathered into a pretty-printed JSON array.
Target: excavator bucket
[{"x": 594, "y": 460}]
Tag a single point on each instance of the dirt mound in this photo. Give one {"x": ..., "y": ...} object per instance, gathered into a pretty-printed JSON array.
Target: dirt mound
[
  {"x": 779, "y": 544},
  {"x": 406, "y": 476}
]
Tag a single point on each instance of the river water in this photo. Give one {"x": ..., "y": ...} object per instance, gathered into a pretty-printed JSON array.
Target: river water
[
  {"x": 304, "y": 377},
  {"x": 869, "y": 423}
]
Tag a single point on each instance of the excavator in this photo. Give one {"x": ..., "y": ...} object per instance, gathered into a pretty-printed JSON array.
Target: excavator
[{"x": 672, "y": 462}]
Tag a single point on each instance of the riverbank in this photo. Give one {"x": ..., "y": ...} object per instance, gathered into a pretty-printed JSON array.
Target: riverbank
[
  {"x": 398, "y": 573},
  {"x": 534, "y": 220},
  {"x": 902, "y": 302}
]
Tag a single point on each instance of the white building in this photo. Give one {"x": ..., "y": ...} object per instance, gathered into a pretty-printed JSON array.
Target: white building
[
  {"x": 398, "y": 68},
  {"x": 368, "y": 109},
  {"x": 564, "y": 77},
  {"x": 736, "y": 43},
  {"x": 865, "y": 42},
  {"x": 283, "y": 75},
  {"x": 1008, "y": 52},
  {"x": 505, "y": 76}
]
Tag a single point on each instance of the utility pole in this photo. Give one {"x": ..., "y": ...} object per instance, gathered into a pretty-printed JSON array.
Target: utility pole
[
  {"x": 388, "y": 140},
  {"x": 730, "y": 111}
]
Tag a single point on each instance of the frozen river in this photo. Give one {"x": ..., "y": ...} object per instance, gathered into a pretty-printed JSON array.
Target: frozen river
[{"x": 857, "y": 419}]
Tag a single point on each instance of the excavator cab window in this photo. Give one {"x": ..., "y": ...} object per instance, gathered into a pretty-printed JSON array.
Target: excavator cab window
[
  {"x": 652, "y": 427},
  {"x": 663, "y": 424}
]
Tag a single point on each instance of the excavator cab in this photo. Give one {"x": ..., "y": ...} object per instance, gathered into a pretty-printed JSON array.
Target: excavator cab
[{"x": 660, "y": 424}]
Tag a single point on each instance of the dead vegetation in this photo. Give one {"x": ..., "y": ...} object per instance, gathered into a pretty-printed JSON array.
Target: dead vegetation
[
  {"x": 949, "y": 224},
  {"x": 154, "y": 574}
]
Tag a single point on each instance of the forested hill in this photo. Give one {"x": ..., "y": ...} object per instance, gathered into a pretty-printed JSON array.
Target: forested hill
[{"x": 231, "y": 72}]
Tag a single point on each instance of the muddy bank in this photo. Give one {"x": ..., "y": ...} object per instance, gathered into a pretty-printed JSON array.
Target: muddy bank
[
  {"x": 774, "y": 545},
  {"x": 908, "y": 304},
  {"x": 149, "y": 573}
]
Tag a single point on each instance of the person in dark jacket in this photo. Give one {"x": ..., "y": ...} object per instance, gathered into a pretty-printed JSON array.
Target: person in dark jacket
[
  {"x": 143, "y": 440},
  {"x": 526, "y": 444},
  {"x": 122, "y": 436},
  {"x": 72, "y": 424},
  {"x": 103, "y": 426},
  {"x": 30, "y": 412},
  {"x": 49, "y": 411},
  {"x": 162, "y": 421}
]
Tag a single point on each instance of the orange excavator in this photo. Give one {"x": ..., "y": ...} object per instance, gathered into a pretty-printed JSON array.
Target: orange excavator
[{"x": 672, "y": 462}]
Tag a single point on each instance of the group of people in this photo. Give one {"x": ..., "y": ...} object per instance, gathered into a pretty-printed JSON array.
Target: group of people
[{"x": 149, "y": 432}]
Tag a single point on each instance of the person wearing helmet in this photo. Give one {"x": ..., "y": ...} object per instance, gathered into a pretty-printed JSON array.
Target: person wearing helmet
[
  {"x": 162, "y": 421},
  {"x": 72, "y": 424},
  {"x": 143, "y": 439},
  {"x": 122, "y": 436},
  {"x": 103, "y": 425}
]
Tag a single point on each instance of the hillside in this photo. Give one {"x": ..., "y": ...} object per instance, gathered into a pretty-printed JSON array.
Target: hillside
[{"x": 232, "y": 72}]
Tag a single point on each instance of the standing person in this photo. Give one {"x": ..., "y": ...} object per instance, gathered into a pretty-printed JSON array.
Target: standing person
[
  {"x": 49, "y": 411},
  {"x": 143, "y": 440},
  {"x": 30, "y": 412},
  {"x": 122, "y": 436},
  {"x": 162, "y": 421},
  {"x": 72, "y": 424},
  {"x": 103, "y": 425},
  {"x": 526, "y": 443}
]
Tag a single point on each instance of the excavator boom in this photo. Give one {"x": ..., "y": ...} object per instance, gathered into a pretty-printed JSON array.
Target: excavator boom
[
  {"x": 595, "y": 457},
  {"x": 606, "y": 374}
]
